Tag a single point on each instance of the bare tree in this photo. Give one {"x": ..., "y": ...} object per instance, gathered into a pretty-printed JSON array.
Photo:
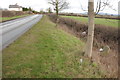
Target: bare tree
[
  {"x": 49, "y": 10},
  {"x": 59, "y": 5},
  {"x": 100, "y": 6}
]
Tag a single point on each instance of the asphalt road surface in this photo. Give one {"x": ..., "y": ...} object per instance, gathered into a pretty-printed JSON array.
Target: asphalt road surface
[{"x": 11, "y": 30}]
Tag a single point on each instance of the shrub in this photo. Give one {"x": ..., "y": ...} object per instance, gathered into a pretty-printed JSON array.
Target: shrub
[
  {"x": 104, "y": 35},
  {"x": 13, "y": 13}
]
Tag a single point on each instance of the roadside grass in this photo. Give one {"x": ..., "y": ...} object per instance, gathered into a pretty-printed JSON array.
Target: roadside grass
[
  {"x": 47, "y": 52},
  {"x": 106, "y": 22},
  {"x": 2, "y": 19}
]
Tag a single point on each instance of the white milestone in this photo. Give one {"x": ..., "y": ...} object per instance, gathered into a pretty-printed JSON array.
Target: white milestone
[
  {"x": 84, "y": 33},
  {"x": 101, "y": 49},
  {"x": 81, "y": 60}
]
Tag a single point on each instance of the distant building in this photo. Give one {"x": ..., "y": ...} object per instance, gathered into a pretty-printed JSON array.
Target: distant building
[{"x": 15, "y": 7}]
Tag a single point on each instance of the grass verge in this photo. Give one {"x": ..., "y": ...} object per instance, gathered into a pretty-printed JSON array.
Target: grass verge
[
  {"x": 106, "y": 22},
  {"x": 2, "y": 19},
  {"x": 47, "y": 52}
]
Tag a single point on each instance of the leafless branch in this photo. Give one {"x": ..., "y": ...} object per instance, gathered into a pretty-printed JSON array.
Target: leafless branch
[
  {"x": 82, "y": 8},
  {"x": 101, "y": 5},
  {"x": 59, "y": 5}
]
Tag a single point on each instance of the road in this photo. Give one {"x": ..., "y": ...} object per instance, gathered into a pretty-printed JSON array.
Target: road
[{"x": 11, "y": 30}]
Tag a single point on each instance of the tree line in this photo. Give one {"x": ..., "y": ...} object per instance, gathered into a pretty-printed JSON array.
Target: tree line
[{"x": 29, "y": 9}]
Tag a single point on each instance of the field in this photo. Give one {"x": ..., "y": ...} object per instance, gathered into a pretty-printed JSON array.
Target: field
[
  {"x": 46, "y": 51},
  {"x": 106, "y": 22}
]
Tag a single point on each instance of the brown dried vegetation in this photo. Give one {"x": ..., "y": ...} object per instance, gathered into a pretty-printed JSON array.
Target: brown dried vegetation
[
  {"x": 13, "y": 13},
  {"x": 104, "y": 35}
]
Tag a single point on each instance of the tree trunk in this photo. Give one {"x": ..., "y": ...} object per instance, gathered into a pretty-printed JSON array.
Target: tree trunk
[
  {"x": 57, "y": 13},
  {"x": 89, "y": 44},
  {"x": 56, "y": 7}
]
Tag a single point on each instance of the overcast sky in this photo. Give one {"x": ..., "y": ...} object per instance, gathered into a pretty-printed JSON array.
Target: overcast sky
[{"x": 75, "y": 5}]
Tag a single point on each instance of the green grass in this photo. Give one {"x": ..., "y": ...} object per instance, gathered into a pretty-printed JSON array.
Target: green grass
[
  {"x": 47, "y": 52},
  {"x": 106, "y": 22},
  {"x": 10, "y": 18}
]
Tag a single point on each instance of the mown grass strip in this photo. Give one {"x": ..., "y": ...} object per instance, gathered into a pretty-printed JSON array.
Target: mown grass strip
[
  {"x": 2, "y": 19},
  {"x": 47, "y": 52}
]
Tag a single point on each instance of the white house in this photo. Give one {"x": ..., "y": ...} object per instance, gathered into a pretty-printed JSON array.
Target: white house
[{"x": 15, "y": 7}]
